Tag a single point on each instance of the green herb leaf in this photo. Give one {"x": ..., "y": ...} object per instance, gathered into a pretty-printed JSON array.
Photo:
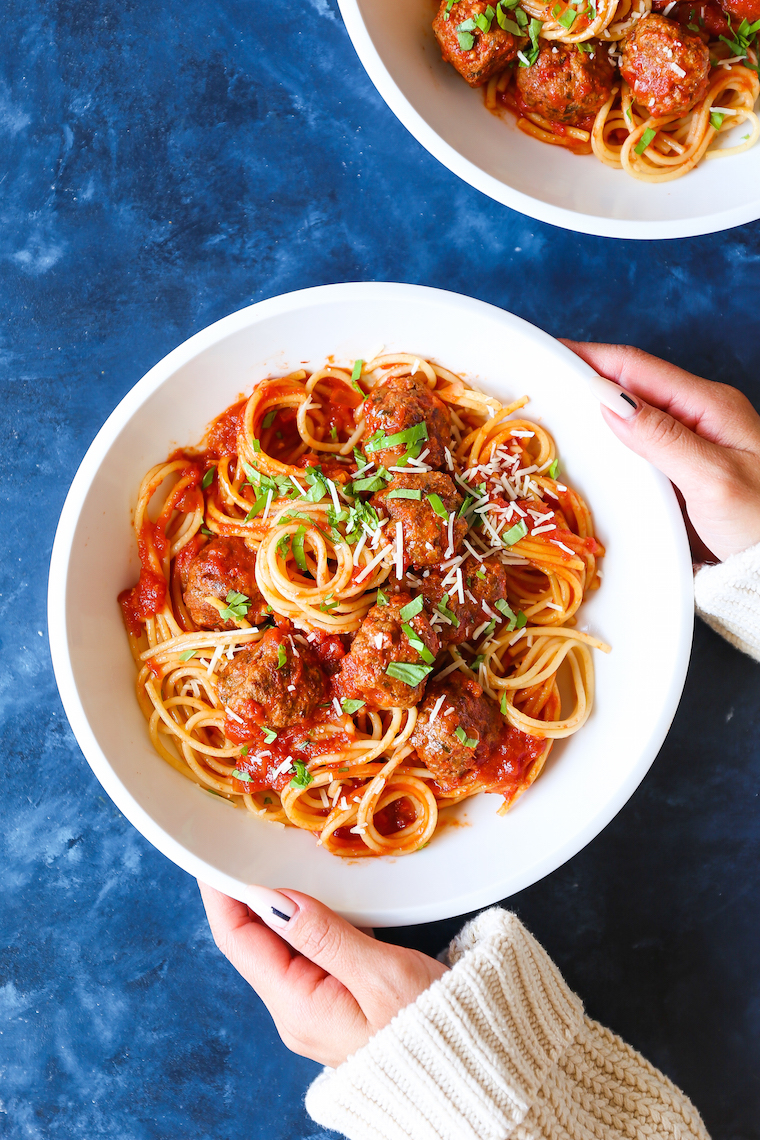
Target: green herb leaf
[
  {"x": 411, "y": 609},
  {"x": 465, "y": 506},
  {"x": 269, "y": 418},
  {"x": 503, "y": 608},
  {"x": 521, "y": 18},
  {"x": 246, "y": 777},
  {"x": 443, "y": 609},
  {"x": 298, "y": 550},
  {"x": 256, "y": 445},
  {"x": 237, "y": 606},
  {"x": 382, "y": 599},
  {"x": 283, "y": 545},
  {"x": 417, "y": 643},
  {"x": 515, "y": 533},
  {"x": 269, "y": 735},
  {"x": 206, "y": 531},
  {"x": 554, "y": 469},
  {"x": 328, "y": 605},
  {"x": 437, "y": 505},
  {"x": 461, "y": 735},
  {"x": 282, "y": 657},
  {"x": 208, "y": 477},
  {"x": 480, "y": 573},
  {"x": 522, "y": 620},
  {"x": 404, "y": 493},
  {"x": 257, "y": 507},
  {"x": 380, "y": 441},
  {"x": 374, "y": 482},
  {"x": 244, "y": 750},
  {"x": 350, "y": 705},
  {"x": 357, "y": 370},
  {"x": 568, "y": 18},
  {"x": 187, "y": 654},
  {"x": 267, "y": 800},
  {"x": 503, "y": 703},
  {"x": 645, "y": 140},
  {"x": 303, "y": 776},
  {"x": 716, "y": 120},
  {"x": 467, "y": 25},
  {"x": 506, "y": 24},
  {"x": 411, "y": 675},
  {"x": 333, "y": 432},
  {"x": 477, "y": 661}
]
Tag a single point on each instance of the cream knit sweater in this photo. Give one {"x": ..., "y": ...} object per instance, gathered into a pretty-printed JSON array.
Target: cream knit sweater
[{"x": 500, "y": 1047}]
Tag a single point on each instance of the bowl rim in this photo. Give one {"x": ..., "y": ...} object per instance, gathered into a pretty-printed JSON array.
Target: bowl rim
[
  {"x": 468, "y": 171},
  {"x": 127, "y": 804}
]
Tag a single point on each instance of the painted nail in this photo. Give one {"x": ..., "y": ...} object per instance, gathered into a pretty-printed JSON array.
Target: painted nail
[
  {"x": 272, "y": 907},
  {"x": 613, "y": 396}
]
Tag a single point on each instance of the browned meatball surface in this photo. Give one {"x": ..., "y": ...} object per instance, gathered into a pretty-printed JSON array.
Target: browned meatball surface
[
  {"x": 380, "y": 642},
  {"x": 288, "y": 686},
  {"x": 398, "y": 405},
  {"x": 708, "y": 16},
  {"x": 451, "y": 760},
  {"x": 222, "y": 565},
  {"x": 567, "y": 85},
  {"x": 742, "y": 10},
  {"x": 491, "y": 50},
  {"x": 483, "y": 582},
  {"x": 426, "y": 532},
  {"x": 666, "y": 66}
]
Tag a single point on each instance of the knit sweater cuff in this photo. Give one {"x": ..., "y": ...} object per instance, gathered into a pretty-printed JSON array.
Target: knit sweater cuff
[
  {"x": 466, "y": 1060},
  {"x": 727, "y": 597}
]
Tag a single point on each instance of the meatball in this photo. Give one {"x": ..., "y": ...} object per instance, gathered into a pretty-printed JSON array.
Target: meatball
[
  {"x": 491, "y": 51},
  {"x": 666, "y": 66},
  {"x": 284, "y": 679},
  {"x": 426, "y": 531},
  {"x": 451, "y": 758},
  {"x": 380, "y": 642},
  {"x": 222, "y": 565},
  {"x": 709, "y": 17},
  {"x": 483, "y": 582},
  {"x": 399, "y": 405},
  {"x": 566, "y": 85},
  {"x": 742, "y": 9}
]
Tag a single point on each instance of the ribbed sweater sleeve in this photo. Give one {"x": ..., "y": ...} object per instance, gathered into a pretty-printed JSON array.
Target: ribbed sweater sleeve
[
  {"x": 727, "y": 597},
  {"x": 499, "y": 1047}
]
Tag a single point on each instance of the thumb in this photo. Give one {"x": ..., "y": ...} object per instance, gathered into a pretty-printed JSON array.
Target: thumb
[
  {"x": 316, "y": 932},
  {"x": 684, "y": 457}
]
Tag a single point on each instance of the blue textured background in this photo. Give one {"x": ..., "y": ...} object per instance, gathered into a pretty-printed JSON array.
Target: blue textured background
[{"x": 159, "y": 168}]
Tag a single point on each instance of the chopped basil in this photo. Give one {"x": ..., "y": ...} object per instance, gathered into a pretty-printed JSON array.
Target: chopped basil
[
  {"x": 258, "y": 506},
  {"x": 298, "y": 550},
  {"x": 466, "y": 26},
  {"x": 515, "y": 533},
  {"x": 244, "y": 750},
  {"x": 521, "y": 18},
  {"x": 244, "y": 776},
  {"x": 382, "y": 598},
  {"x": 411, "y": 675},
  {"x": 568, "y": 18},
  {"x": 269, "y": 735},
  {"x": 374, "y": 482},
  {"x": 206, "y": 531},
  {"x": 303, "y": 776},
  {"x": 328, "y": 605},
  {"x": 716, "y": 120},
  {"x": 521, "y": 620},
  {"x": 508, "y": 25},
  {"x": 333, "y": 432},
  {"x": 645, "y": 140},
  {"x": 282, "y": 657},
  {"x": 477, "y": 661},
  {"x": 380, "y": 441},
  {"x": 187, "y": 654},
  {"x": 357, "y": 369},
  {"x": 554, "y": 469},
  {"x": 269, "y": 418},
  {"x": 437, "y": 505},
  {"x": 283, "y": 545},
  {"x": 443, "y": 609},
  {"x": 267, "y": 800},
  {"x": 480, "y": 573},
  {"x": 417, "y": 643},
  {"x": 207, "y": 478},
  {"x": 411, "y": 609},
  {"x": 465, "y": 506},
  {"x": 350, "y": 705},
  {"x": 503, "y": 703},
  {"x": 237, "y": 606},
  {"x": 489, "y": 629},
  {"x": 461, "y": 735},
  {"x": 256, "y": 445},
  {"x": 404, "y": 493}
]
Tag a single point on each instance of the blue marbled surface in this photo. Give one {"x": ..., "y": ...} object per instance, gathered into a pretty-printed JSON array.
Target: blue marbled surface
[{"x": 159, "y": 168}]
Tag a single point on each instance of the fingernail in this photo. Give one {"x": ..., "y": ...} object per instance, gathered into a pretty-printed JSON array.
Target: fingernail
[
  {"x": 272, "y": 907},
  {"x": 613, "y": 396}
]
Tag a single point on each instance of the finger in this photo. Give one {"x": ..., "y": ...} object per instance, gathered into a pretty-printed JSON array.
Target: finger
[{"x": 716, "y": 411}]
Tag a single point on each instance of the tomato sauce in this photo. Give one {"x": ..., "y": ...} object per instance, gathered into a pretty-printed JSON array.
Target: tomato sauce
[
  {"x": 222, "y": 435},
  {"x": 506, "y": 763}
]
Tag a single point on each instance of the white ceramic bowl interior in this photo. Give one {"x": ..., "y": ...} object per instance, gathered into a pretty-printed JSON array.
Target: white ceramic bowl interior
[
  {"x": 644, "y": 609},
  {"x": 395, "y": 42}
]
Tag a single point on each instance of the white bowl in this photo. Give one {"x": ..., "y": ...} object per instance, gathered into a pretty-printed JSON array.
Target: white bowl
[
  {"x": 644, "y": 608},
  {"x": 395, "y": 42}
]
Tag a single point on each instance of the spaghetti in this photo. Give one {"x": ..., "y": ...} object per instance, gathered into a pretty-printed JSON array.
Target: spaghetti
[{"x": 346, "y": 627}]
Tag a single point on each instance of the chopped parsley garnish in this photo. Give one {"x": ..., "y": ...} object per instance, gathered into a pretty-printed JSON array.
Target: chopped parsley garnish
[
  {"x": 404, "y": 493},
  {"x": 645, "y": 140},
  {"x": 506, "y": 24},
  {"x": 447, "y": 613},
  {"x": 269, "y": 418},
  {"x": 328, "y": 605},
  {"x": 282, "y": 657},
  {"x": 411, "y": 675},
  {"x": 379, "y": 441},
  {"x": 374, "y": 482},
  {"x": 465, "y": 506},
  {"x": 522, "y": 620},
  {"x": 568, "y": 18},
  {"x": 461, "y": 735},
  {"x": 297, "y": 548},
  {"x": 411, "y": 609},
  {"x": 515, "y": 533},
  {"x": 258, "y": 506},
  {"x": 207, "y": 478},
  {"x": 303, "y": 776},
  {"x": 417, "y": 643},
  {"x": 357, "y": 370},
  {"x": 554, "y": 469},
  {"x": 283, "y": 545},
  {"x": 244, "y": 750},
  {"x": 187, "y": 654},
  {"x": 503, "y": 703},
  {"x": 743, "y": 39},
  {"x": 255, "y": 444},
  {"x": 716, "y": 120},
  {"x": 382, "y": 598},
  {"x": 350, "y": 705},
  {"x": 317, "y": 484},
  {"x": 480, "y": 573},
  {"x": 529, "y": 58},
  {"x": 237, "y": 606},
  {"x": 437, "y": 505},
  {"x": 509, "y": 614},
  {"x": 244, "y": 776},
  {"x": 269, "y": 735}
]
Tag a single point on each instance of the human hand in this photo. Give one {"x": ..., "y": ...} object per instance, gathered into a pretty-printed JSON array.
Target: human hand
[
  {"x": 328, "y": 986},
  {"x": 704, "y": 436}
]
